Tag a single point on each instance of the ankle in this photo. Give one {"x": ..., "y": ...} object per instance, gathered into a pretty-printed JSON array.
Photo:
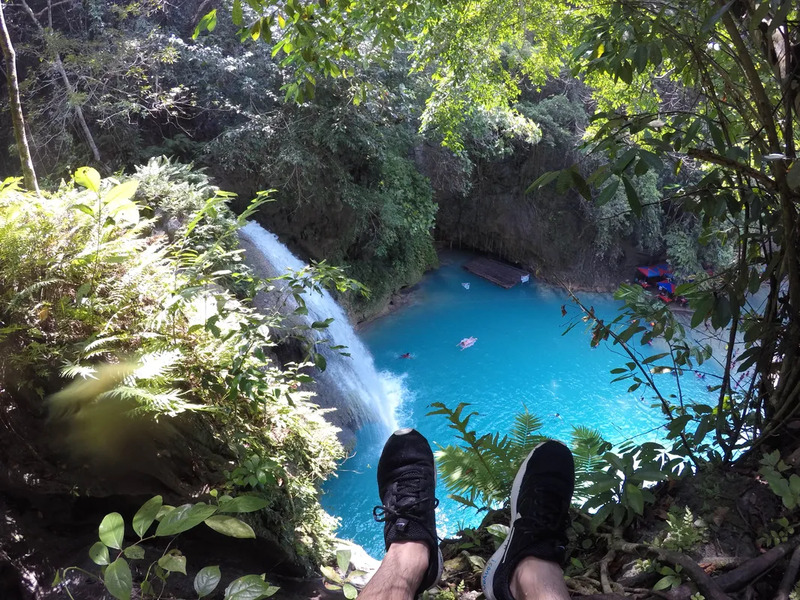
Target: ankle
[
  {"x": 412, "y": 555},
  {"x": 537, "y": 578}
]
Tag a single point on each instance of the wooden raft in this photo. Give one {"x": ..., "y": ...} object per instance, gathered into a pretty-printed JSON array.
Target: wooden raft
[{"x": 497, "y": 272}]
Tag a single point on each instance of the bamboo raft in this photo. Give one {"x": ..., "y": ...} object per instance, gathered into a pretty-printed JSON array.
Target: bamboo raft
[{"x": 497, "y": 272}]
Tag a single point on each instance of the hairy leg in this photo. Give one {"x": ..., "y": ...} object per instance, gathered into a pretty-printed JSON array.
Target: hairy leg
[
  {"x": 400, "y": 573},
  {"x": 537, "y": 579}
]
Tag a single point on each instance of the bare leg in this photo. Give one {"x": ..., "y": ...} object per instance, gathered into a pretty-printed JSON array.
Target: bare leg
[
  {"x": 400, "y": 573},
  {"x": 537, "y": 579}
]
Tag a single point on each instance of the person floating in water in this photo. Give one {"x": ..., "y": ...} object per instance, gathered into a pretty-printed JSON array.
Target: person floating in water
[
  {"x": 406, "y": 355},
  {"x": 467, "y": 342}
]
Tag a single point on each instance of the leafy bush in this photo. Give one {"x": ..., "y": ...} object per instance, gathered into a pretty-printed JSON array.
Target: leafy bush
[
  {"x": 149, "y": 327},
  {"x": 116, "y": 575},
  {"x": 480, "y": 471}
]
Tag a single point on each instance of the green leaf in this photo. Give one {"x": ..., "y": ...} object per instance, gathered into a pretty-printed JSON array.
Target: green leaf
[
  {"x": 702, "y": 306},
  {"x": 112, "y": 530},
  {"x": 640, "y": 57},
  {"x": 99, "y": 554},
  {"x": 602, "y": 514},
  {"x": 633, "y": 196},
  {"x": 721, "y": 314},
  {"x": 173, "y": 561},
  {"x": 207, "y": 580},
  {"x": 145, "y": 516},
  {"x": 349, "y": 591},
  {"x": 208, "y": 22},
  {"x": 249, "y": 587},
  {"x": 542, "y": 181},
  {"x": 635, "y": 499},
  {"x": 84, "y": 209},
  {"x": 134, "y": 552},
  {"x": 236, "y": 15},
  {"x": 243, "y": 504},
  {"x": 651, "y": 475},
  {"x": 608, "y": 193},
  {"x": 88, "y": 178},
  {"x": 183, "y": 518},
  {"x": 654, "y": 358},
  {"x": 121, "y": 192},
  {"x": 343, "y": 560},
  {"x": 118, "y": 580},
  {"x": 499, "y": 531},
  {"x": 330, "y": 573},
  {"x": 230, "y": 526},
  {"x": 580, "y": 184}
]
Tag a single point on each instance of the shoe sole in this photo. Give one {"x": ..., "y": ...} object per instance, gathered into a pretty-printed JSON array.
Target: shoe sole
[
  {"x": 487, "y": 581},
  {"x": 439, "y": 571}
]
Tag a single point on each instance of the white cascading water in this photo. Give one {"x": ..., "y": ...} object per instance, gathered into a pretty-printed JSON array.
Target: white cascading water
[{"x": 354, "y": 376}]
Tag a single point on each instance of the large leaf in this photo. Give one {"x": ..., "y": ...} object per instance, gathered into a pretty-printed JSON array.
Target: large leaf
[
  {"x": 145, "y": 516},
  {"x": 173, "y": 561},
  {"x": 112, "y": 530},
  {"x": 183, "y": 518},
  {"x": 206, "y": 580},
  {"x": 343, "y": 559},
  {"x": 243, "y": 504},
  {"x": 99, "y": 554},
  {"x": 635, "y": 499},
  {"x": 134, "y": 552},
  {"x": 118, "y": 580},
  {"x": 121, "y": 193},
  {"x": 230, "y": 526},
  {"x": 88, "y": 178},
  {"x": 249, "y": 587}
]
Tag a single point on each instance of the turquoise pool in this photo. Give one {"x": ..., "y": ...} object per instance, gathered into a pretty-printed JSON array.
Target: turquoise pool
[{"x": 520, "y": 359}]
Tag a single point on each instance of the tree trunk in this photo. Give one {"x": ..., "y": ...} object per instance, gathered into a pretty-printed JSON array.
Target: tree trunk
[
  {"x": 59, "y": 65},
  {"x": 17, "y": 118}
]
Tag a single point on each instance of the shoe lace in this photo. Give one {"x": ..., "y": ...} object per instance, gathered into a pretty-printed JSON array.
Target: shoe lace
[
  {"x": 408, "y": 496},
  {"x": 544, "y": 513}
]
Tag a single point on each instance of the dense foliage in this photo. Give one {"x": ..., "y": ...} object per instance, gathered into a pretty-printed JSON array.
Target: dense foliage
[
  {"x": 674, "y": 137},
  {"x": 152, "y": 318}
]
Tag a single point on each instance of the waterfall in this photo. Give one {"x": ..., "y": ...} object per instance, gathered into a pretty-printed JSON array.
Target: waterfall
[{"x": 361, "y": 393}]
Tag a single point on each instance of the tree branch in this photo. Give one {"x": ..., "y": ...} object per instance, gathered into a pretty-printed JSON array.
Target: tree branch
[
  {"x": 789, "y": 577},
  {"x": 747, "y": 170},
  {"x": 737, "y": 579},
  {"x": 707, "y": 586}
]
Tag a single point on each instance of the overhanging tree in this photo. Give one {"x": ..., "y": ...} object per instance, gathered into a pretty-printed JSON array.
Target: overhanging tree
[
  {"x": 715, "y": 87},
  {"x": 708, "y": 86}
]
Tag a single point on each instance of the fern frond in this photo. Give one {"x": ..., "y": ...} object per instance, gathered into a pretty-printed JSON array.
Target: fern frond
[
  {"x": 99, "y": 343},
  {"x": 73, "y": 370},
  {"x": 32, "y": 289},
  {"x": 588, "y": 447},
  {"x": 156, "y": 365},
  {"x": 524, "y": 431}
]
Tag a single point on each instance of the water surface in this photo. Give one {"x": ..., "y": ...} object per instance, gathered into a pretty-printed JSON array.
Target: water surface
[{"x": 521, "y": 359}]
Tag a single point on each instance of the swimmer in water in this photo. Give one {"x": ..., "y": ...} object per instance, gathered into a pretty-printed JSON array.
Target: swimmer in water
[{"x": 406, "y": 355}]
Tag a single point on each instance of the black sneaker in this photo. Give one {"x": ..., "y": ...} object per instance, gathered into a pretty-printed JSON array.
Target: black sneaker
[
  {"x": 540, "y": 499},
  {"x": 407, "y": 485}
]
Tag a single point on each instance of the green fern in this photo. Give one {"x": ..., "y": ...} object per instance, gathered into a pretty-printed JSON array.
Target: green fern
[{"x": 480, "y": 472}]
